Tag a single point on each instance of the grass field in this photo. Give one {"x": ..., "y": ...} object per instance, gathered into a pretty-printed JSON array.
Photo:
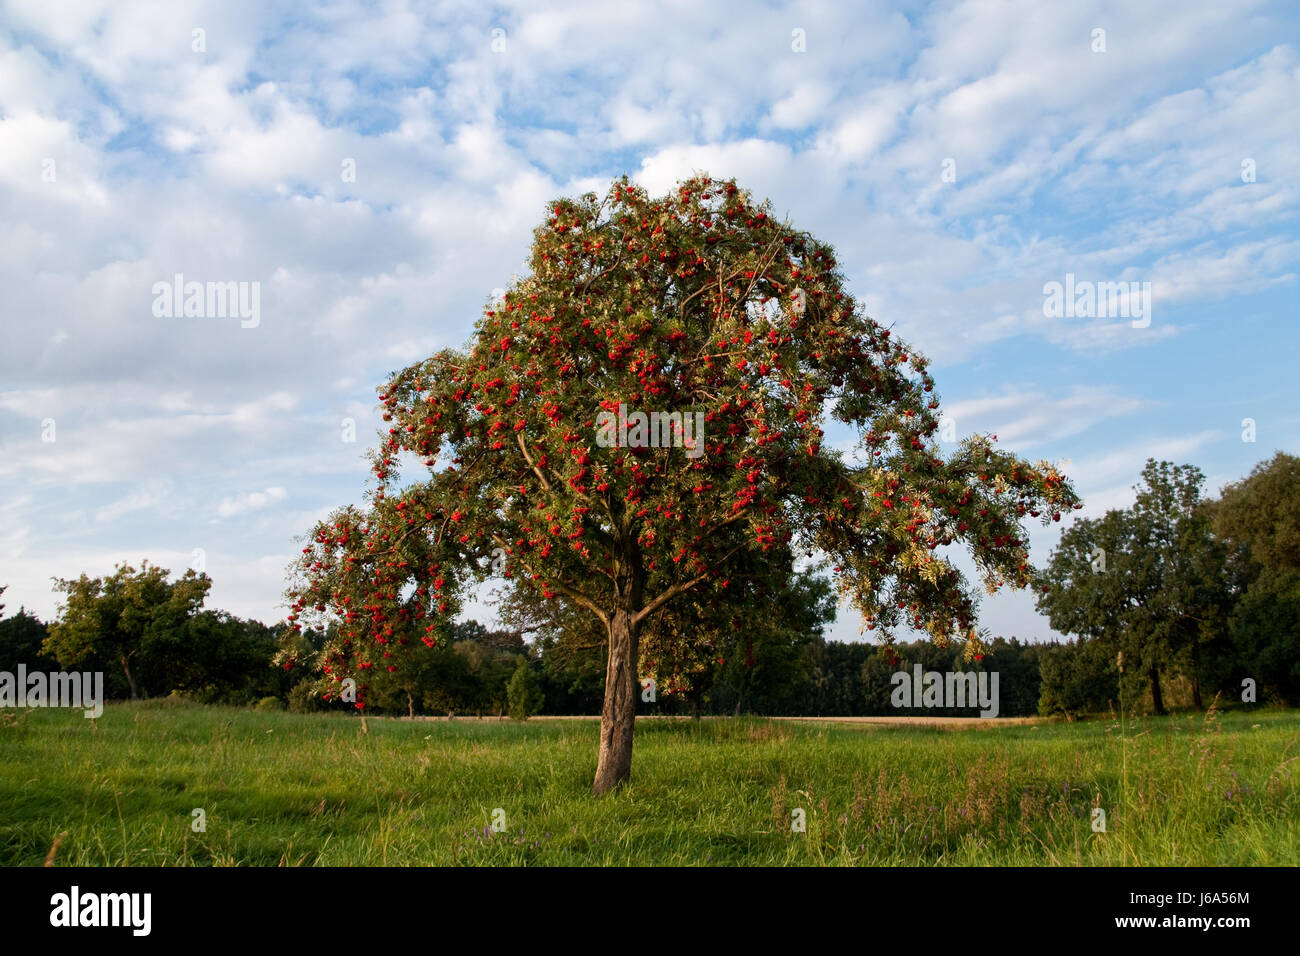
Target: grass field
[{"x": 289, "y": 789}]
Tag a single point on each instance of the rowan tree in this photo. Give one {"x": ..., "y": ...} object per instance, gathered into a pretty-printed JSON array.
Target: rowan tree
[{"x": 700, "y": 301}]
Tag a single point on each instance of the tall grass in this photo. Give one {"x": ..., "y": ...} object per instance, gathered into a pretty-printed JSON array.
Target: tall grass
[{"x": 288, "y": 789}]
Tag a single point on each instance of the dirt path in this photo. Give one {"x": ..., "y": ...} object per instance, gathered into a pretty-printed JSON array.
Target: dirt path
[
  {"x": 954, "y": 723},
  {"x": 949, "y": 723}
]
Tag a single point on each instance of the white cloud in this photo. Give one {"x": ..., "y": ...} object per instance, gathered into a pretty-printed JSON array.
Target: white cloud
[
  {"x": 250, "y": 501},
  {"x": 154, "y": 497},
  {"x": 1023, "y": 418}
]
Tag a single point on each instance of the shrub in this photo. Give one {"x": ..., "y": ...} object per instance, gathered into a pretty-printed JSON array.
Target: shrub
[
  {"x": 304, "y": 698},
  {"x": 523, "y": 692}
]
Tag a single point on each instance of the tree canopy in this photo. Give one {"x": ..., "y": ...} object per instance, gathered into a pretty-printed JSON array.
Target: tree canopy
[
  {"x": 118, "y": 616},
  {"x": 1147, "y": 580},
  {"x": 1258, "y": 519}
]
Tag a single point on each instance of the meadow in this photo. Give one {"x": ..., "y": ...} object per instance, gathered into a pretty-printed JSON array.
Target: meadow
[{"x": 285, "y": 789}]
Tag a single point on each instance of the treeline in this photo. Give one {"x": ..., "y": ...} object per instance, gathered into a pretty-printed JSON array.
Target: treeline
[
  {"x": 213, "y": 657},
  {"x": 149, "y": 637},
  {"x": 1171, "y": 602},
  {"x": 210, "y": 656},
  {"x": 469, "y": 670}
]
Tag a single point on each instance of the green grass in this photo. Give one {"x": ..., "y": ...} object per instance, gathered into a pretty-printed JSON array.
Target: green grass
[{"x": 289, "y": 789}]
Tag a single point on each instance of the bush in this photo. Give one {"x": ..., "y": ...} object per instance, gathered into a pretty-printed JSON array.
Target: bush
[
  {"x": 523, "y": 692},
  {"x": 305, "y": 698},
  {"x": 1079, "y": 677},
  {"x": 269, "y": 703}
]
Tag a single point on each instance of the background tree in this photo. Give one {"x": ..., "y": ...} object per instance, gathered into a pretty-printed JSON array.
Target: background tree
[
  {"x": 22, "y": 636},
  {"x": 419, "y": 681},
  {"x": 1258, "y": 519},
  {"x": 1147, "y": 580},
  {"x": 122, "y": 615},
  {"x": 754, "y": 640},
  {"x": 696, "y": 302},
  {"x": 523, "y": 693},
  {"x": 1078, "y": 677},
  {"x": 1088, "y": 587},
  {"x": 1261, "y": 514},
  {"x": 1188, "y": 607},
  {"x": 215, "y": 657},
  {"x": 765, "y": 651},
  {"x": 1019, "y": 674},
  {"x": 467, "y": 669},
  {"x": 843, "y": 678},
  {"x": 488, "y": 671},
  {"x": 571, "y": 643},
  {"x": 297, "y": 663}
]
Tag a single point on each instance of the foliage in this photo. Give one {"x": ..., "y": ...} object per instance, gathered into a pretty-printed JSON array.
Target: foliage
[
  {"x": 304, "y": 699},
  {"x": 1261, "y": 514},
  {"x": 1258, "y": 520},
  {"x": 1149, "y": 581},
  {"x": 217, "y": 658},
  {"x": 128, "y": 613},
  {"x": 524, "y": 694},
  {"x": 22, "y": 636},
  {"x": 765, "y": 650},
  {"x": 1078, "y": 677}
]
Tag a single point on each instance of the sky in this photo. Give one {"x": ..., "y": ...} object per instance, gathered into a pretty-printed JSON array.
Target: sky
[{"x": 374, "y": 171}]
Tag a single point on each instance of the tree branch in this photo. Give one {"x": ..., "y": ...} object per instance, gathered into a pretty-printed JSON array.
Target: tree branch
[
  {"x": 677, "y": 589},
  {"x": 546, "y": 485},
  {"x": 572, "y": 593}
]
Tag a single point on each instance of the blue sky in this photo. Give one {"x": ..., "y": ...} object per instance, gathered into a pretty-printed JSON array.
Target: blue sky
[{"x": 212, "y": 139}]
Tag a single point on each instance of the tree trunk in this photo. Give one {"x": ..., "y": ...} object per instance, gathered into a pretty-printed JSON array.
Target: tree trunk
[
  {"x": 410, "y": 706},
  {"x": 126, "y": 669},
  {"x": 1196, "y": 676},
  {"x": 618, "y": 716},
  {"x": 1156, "y": 700}
]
